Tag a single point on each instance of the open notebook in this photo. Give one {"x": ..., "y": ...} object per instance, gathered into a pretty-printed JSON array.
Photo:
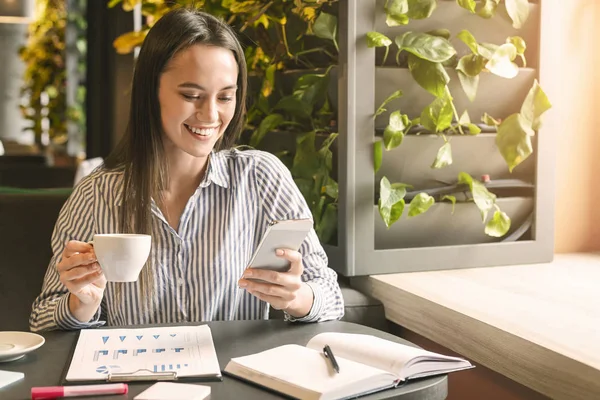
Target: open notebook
[{"x": 367, "y": 364}]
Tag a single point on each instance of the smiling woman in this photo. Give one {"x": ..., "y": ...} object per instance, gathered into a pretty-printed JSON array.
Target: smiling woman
[{"x": 175, "y": 176}]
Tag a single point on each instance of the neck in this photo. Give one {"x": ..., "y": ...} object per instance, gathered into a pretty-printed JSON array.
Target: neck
[{"x": 186, "y": 173}]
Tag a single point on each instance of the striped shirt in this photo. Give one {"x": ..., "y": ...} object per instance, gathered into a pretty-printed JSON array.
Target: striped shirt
[{"x": 197, "y": 266}]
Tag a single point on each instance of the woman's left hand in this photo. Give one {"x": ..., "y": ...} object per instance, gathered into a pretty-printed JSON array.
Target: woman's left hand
[{"x": 282, "y": 290}]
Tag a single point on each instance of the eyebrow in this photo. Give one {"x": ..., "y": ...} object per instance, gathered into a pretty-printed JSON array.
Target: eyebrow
[{"x": 192, "y": 85}]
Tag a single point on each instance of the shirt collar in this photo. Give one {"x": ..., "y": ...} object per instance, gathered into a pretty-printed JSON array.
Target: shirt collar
[{"x": 217, "y": 171}]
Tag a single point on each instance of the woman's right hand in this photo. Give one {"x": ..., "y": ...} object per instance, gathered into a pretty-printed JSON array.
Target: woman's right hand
[{"x": 80, "y": 272}]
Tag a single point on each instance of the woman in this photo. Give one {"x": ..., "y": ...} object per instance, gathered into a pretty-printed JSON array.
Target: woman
[{"x": 206, "y": 206}]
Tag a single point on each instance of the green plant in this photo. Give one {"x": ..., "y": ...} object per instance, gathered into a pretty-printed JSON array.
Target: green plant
[
  {"x": 427, "y": 55},
  {"x": 284, "y": 41},
  {"x": 45, "y": 77}
]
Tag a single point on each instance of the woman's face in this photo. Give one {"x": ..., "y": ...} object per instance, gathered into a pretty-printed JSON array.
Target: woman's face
[{"x": 197, "y": 98}]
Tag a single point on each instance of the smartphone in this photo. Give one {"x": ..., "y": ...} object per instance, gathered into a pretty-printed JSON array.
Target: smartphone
[{"x": 288, "y": 234}]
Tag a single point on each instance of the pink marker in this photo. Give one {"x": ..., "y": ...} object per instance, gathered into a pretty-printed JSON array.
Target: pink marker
[{"x": 55, "y": 392}]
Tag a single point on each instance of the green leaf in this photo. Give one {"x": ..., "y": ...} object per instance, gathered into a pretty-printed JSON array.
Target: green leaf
[
  {"x": 437, "y": 116},
  {"x": 474, "y": 129},
  {"x": 306, "y": 162},
  {"x": 393, "y": 96},
  {"x": 327, "y": 226},
  {"x": 376, "y": 39},
  {"x": 444, "y": 33},
  {"x": 487, "y": 50},
  {"x": 428, "y": 47},
  {"x": 489, "y": 120},
  {"x": 471, "y": 64},
  {"x": 501, "y": 62},
  {"x": 482, "y": 197},
  {"x": 269, "y": 81},
  {"x": 514, "y": 140},
  {"x": 467, "y": 38},
  {"x": 391, "y": 200},
  {"x": 430, "y": 75},
  {"x": 519, "y": 44},
  {"x": 294, "y": 106},
  {"x": 488, "y": 8},
  {"x": 444, "y": 157},
  {"x": 469, "y": 84},
  {"x": 312, "y": 88},
  {"x": 325, "y": 154},
  {"x": 464, "y": 118},
  {"x": 305, "y": 185},
  {"x": 421, "y": 9},
  {"x": 467, "y": 5},
  {"x": 395, "y": 12},
  {"x": 419, "y": 204},
  {"x": 452, "y": 199},
  {"x": 325, "y": 26},
  {"x": 377, "y": 155},
  {"x": 394, "y": 132},
  {"x": 518, "y": 10},
  {"x": 536, "y": 103},
  {"x": 268, "y": 124},
  {"x": 498, "y": 225},
  {"x": 331, "y": 189},
  {"x": 113, "y": 3}
]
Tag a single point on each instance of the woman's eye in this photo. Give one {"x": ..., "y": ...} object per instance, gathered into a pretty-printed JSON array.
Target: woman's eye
[
  {"x": 226, "y": 99},
  {"x": 190, "y": 97}
]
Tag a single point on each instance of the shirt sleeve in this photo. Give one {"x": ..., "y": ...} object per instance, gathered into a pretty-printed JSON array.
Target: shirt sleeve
[
  {"x": 50, "y": 310},
  {"x": 282, "y": 200}
]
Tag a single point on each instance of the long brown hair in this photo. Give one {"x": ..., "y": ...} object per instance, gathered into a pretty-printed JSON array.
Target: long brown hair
[{"x": 140, "y": 153}]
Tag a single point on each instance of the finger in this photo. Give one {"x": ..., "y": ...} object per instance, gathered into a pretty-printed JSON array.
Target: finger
[
  {"x": 75, "y": 246},
  {"x": 287, "y": 293},
  {"x": 76, "y": 260},
  {"x": 295, "y": 259},
  {"x": 275, "y": 302},
  {"x": 79, "y": 272},
  {"x": 78, "y": 284},
  {"x": 274, "y": 277}
]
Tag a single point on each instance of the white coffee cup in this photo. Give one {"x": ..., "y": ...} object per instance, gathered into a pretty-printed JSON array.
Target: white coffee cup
[{"x": 122, "y": 255}]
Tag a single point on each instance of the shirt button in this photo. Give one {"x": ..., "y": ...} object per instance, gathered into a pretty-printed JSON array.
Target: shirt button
[{"x": 180, "y": 281}]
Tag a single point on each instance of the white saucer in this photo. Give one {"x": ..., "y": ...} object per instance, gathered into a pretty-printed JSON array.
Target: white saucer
[{"x": 14, "y": 345}]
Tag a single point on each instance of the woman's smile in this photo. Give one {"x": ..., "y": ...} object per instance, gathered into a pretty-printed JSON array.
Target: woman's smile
[{"x": 203, "y": 131}]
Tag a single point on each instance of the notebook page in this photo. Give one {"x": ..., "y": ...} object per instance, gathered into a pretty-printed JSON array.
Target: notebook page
[
  {"x": 301, "y": 367},
  {"x": 371, "y": 350}
]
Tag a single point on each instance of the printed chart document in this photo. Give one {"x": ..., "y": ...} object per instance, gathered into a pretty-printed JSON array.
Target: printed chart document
[
  {"x": 158, "y": 353},
  {"x": 367, "y": 364}
]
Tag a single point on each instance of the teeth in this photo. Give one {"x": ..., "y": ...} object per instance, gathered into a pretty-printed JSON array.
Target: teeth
[{"x": 203, "y": 131}]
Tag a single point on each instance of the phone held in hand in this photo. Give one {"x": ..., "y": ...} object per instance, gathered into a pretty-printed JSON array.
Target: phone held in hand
[{"x": 288, "y": 234}]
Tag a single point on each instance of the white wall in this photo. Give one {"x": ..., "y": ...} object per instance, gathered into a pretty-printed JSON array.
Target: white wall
[{"x": 570, "y": 59}]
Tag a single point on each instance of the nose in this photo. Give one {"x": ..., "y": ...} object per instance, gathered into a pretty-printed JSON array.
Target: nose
[{"x": 207, "y": 111}]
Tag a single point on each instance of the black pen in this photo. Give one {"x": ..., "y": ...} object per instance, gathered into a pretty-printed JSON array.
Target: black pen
[{"x": 329, "y": 354}]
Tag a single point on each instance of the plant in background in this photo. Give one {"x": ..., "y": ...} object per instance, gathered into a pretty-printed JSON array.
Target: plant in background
[
  {"x": 45, "y": 75},
  {"x": 289, "y": 47},
  {"x": 427, "y": 55},
  {"x": 45, "y": 78}
]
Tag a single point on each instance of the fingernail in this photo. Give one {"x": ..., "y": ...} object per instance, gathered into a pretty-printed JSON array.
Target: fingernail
[
  {"x": 242, "y": 284},
  {"x": 279, "y": 252}
]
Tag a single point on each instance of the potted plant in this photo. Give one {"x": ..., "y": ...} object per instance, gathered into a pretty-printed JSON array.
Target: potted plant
[{"x": 437, "y": 67}]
